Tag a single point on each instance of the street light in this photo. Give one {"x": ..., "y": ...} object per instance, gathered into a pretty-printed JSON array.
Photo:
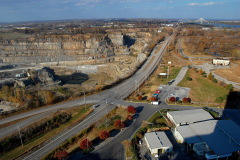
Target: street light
[
  {"x": 84, "y": 98},
  {"x": 20, "y": 134}
]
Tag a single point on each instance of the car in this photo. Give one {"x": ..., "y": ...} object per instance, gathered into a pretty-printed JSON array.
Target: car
[
  {"x": 173, "y": 95},
  {"x": 157, "y": 91},
  {"x": 155, "y": 95},
  {"x": 176, "y": 88}
]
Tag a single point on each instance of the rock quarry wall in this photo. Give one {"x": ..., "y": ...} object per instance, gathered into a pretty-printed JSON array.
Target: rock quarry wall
[{"x": 60, "y": 48}]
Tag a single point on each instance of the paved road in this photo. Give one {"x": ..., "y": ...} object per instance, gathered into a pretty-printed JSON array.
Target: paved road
[
  {"x": 113, "y": 95},
  {"x": 114, "y": 150}
]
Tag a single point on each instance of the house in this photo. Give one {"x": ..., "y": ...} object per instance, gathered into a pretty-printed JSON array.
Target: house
[
  {"x": 223, "y": 62},
  {"x": 188, "y": 116},
  {"x": 158, "y": 142},
  {"x": 213, "y": 138}
]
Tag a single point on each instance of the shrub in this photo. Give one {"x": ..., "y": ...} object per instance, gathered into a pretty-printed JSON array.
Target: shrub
[
  {"x": 214, "y": 80},
  {"x": 104, "y": 135},
  {"x": 210, "y": 76},
  {"x": 179, "y": 102},
  {"x": 185, "y": 100},
  {"x": 219, "y": 99},
  {"x": 229, "y": 87},
  {"x": 172, "y": 99},
  {"x": 129, "y": 117},
  {"x": 153, "y": 99},
  {"x": 118, "y": 124},
  {"x": 201, "y": 71},
  {"x": 85, "y": 144},
  {"x": 189, "y": 78},
  {"x": 131, "y": 109},
  {"x": 62, "y": 155},
  {"x": 140, "y": 97}
]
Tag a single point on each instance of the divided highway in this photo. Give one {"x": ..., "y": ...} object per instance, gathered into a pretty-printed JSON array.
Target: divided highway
[{"x": 113, "y": 95}]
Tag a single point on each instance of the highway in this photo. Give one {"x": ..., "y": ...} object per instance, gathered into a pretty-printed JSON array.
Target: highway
[{"x": 114, "y": 95}]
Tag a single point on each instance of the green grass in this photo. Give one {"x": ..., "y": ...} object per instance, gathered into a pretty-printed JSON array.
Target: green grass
[
  {"x": 13, "y": 35},
  {"x": 202, "y": 89},
  {"x": 173, "y": 74},
  {"x": 155, "y": 116}
]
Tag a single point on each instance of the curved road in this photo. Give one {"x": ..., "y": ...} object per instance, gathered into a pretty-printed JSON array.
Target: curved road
[{"x": 114, "y": 94}]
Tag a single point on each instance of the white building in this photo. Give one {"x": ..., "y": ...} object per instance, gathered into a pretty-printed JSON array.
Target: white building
[
  {"x": 223, "y": 62},
  {"x": 188, "y": 116},
  {"x": 158, "y": 142},
  {"x": 213, "y": 138}
]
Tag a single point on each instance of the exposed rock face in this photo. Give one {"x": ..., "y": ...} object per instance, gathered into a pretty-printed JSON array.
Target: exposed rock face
[
  {"x": 44, "y": 75},
  {"x": 59, "y": 48},
  {"x": 117, "y": 39}
]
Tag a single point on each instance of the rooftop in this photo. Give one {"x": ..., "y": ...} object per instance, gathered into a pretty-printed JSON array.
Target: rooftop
[
  {"x": 190, "y": 116},
  {"x": 158, "y": 140},
  {"x": 222, "y": 136}
]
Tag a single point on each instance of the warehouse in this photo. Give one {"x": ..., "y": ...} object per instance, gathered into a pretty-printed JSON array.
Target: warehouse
[
  {"x": 158, "y": 142},
  {"x": 188, "y": 116},
  {"x": 213, "y": 138}
]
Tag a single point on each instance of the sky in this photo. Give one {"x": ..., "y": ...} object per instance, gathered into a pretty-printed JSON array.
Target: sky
[{"x": 39, "y": 10}]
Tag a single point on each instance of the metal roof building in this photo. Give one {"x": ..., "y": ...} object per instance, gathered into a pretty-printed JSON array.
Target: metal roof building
[
  {"x": 188, "y": 116},
  {"x": 158, "y": 141},
  {"x": 221, "y": 136}
]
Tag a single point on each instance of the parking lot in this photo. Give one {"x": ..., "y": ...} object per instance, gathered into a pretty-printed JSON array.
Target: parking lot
[{"x": 171, "y": 91}]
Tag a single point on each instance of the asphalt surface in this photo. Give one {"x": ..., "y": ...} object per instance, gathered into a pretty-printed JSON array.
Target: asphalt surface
[{"x": 112, "y": 96}]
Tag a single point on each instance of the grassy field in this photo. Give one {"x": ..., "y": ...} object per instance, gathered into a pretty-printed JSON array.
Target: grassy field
[
  {"x": 202, "y": 89},
  {"x": 78, "y": 114},
  {"x": 14, "y": 35},
  {"x": 149, "y": 88}
]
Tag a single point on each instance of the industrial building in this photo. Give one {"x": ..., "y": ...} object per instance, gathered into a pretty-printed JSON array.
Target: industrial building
[
  {"x": 188, "y": 116},
  {"x": 213, "y": 139},
  {"x": 223, "y": 62},
  {"x": 158, "y": 142}
]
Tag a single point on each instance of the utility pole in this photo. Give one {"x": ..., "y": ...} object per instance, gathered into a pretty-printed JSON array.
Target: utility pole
[
  {"x": 168, "y": 71},
  {"x": 84, "y": 100},
  {"x": 20, "y": 134}
]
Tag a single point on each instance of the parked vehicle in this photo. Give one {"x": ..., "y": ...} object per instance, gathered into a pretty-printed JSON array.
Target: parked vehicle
[{"x": 155, "y": 103}]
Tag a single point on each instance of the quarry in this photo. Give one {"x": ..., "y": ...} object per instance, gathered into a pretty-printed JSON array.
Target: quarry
[{"x": 84, "y": 62}]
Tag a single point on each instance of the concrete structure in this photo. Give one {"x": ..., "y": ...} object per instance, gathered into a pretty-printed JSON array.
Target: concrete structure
[
  {"x": 213, "y": 138},
  {"x": 188, "y": 116},
  {"x": 224, "y": 62},
  {"x": 158, "y": 142}
]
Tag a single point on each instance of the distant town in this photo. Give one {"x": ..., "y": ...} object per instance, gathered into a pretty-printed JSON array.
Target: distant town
[{"x": 120, "y": 89}]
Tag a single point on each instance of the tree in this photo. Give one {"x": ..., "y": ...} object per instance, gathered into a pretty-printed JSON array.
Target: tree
[
  {"x": 129, "y": 117},
  {"x": 118, "y": 124},
  {"x": 189, "y": 78},
  {"x": 104, "y": 135},
  {"x": 127, "y": 144},
  {"x": 214, "y": 80},
  {"x": 201, "y": 71},
  {"x": 131, "y": 109},
  {"x": 153, "y": 99},
  {"x": 172, "y": 99},
  {"x": 61, "y": 155},
  {"x": 185, "y": 100},
  {"x": 219, "y": 100},
  {"x": 140, "y": 97},
  {"x": 229, "y": 87},
  {"x": 85, "y": 144},
  {"x": 210, "y": 76}
]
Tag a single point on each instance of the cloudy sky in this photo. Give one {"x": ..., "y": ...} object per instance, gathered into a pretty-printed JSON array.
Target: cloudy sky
[{"x": 35, "y": 10}]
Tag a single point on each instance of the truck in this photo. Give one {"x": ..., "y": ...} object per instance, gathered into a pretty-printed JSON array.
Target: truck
[{"x": 155, "y": 102}]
